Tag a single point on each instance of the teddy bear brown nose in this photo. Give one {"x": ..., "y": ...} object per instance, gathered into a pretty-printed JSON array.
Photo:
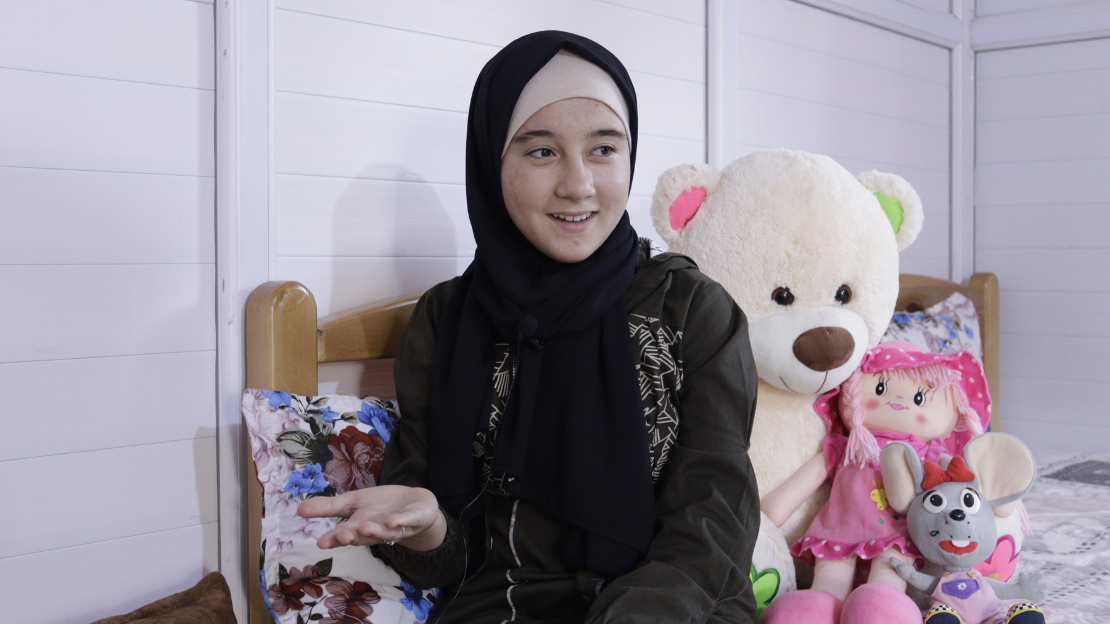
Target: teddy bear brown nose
[{"x": 824, "y": 348}]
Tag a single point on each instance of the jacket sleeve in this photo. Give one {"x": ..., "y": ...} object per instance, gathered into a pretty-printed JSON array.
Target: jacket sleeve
[
  {"x": 406, "y": 458},
  {"x": 707, "y": 503}
]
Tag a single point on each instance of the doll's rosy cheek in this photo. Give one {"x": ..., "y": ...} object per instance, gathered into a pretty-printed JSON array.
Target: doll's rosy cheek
[
  {"x": 871, "y": 404},
  {"x": 921, "y": 419}
]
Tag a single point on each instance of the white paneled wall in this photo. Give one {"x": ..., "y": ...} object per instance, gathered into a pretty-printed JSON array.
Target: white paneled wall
[
  {"x": 1041, "y": 215},
  {"x": 370, "y": 105},
  {"x": 107, "y": 339},
  {"x": 816, "y": 81}
]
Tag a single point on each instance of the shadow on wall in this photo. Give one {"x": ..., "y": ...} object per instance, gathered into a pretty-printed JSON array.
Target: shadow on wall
[{"x": 393, "y": 233}]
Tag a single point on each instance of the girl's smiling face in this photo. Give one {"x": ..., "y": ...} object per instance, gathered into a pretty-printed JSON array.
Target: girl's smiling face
[
  {"x": 565, "y": 177},
  {"x": 906, "y": 406}
]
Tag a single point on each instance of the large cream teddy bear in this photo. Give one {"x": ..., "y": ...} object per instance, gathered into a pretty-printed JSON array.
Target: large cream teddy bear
[{"x": 810, "y": 253}]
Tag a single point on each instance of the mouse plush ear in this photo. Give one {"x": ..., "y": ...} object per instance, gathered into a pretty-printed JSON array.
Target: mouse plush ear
[
  {"x": 902, "y": 474},
  {"x": 1003, "y": 466},
  {"x": 899, "y": 201},
  {"x": 679, "y": 195}
]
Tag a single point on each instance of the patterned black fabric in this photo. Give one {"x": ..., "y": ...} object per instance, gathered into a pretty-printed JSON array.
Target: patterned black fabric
[{"x": 659, "y": 368}]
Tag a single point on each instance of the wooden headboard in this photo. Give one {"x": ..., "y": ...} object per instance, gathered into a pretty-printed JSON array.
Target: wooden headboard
[{"x": 286, "y": 343}]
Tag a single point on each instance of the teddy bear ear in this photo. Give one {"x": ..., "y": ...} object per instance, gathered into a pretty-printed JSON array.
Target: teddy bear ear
[
  {"x": 679, "y": 194},
  {"x": 899, "y": 201}
]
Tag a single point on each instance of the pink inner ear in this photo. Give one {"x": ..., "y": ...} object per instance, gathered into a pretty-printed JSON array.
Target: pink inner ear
[{"x": 685, "y": 206}]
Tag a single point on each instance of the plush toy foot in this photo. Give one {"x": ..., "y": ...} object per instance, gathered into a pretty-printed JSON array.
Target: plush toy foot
[
  {"x": 1025, "y": 613},
  {"x": 811, "y": 606},
  {"x": 879, "y": 603},
  {"x": 942, "y": 614}
]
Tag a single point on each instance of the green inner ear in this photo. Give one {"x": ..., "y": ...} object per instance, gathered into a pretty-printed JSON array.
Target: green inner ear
[{"x": 893, "y": 209}]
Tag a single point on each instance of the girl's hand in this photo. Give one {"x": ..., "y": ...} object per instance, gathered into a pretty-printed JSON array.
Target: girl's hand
[{"x": 387, "y": 513}]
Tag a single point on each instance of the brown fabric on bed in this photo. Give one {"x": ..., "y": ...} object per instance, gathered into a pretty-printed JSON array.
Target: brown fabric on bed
[{"x": 207, "y": 602}]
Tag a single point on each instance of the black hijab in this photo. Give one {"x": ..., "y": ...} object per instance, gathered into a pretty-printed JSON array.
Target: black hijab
[{"x": 572, "y": 438}]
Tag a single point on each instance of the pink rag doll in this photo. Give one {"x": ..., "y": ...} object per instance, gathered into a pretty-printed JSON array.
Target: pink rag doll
[{"x": 933, "y": 402}]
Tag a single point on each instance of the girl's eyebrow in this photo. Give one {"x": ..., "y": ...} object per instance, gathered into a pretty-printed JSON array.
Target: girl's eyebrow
[
  {"x": 533, "y": 134},
  {"x": 608, "y": 132}
]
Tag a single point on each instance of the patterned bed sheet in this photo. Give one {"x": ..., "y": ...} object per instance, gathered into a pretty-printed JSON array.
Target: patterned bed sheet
[{"x": 1069, "y": 509}]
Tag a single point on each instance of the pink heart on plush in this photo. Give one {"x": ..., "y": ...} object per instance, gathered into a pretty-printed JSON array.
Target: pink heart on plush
[{"x": 1002, "y": 562}]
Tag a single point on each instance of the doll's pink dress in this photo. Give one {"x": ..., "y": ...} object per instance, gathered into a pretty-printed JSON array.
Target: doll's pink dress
[{"x": 857, "y": 520}]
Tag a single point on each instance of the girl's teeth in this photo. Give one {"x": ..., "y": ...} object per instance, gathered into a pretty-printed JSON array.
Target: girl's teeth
[{"x": 572, "y": 219}]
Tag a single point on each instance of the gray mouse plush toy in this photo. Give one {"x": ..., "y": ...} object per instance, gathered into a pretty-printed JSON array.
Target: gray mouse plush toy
[{"x": 951, "y": 521}]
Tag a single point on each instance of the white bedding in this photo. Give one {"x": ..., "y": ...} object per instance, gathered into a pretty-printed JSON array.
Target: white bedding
[{"x": 1071, "y": 535}]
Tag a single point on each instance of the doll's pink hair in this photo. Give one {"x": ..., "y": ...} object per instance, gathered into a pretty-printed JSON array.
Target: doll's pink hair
[{"x": 862, "y": 447}]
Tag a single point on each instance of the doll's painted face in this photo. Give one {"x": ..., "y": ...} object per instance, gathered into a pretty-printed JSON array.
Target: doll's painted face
[{"x": 906, "y": 406}]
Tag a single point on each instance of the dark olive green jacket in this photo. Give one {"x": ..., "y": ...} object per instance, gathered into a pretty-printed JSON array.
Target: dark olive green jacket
[{"x": 698, "y": 382}]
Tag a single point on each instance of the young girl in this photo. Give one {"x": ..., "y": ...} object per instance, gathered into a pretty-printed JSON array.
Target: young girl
[
  {"x": 575, "y": 413},
  {"x": 934, "y": 402}
]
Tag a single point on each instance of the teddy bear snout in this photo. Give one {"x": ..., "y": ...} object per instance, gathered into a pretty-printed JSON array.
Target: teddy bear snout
[{"x": 824, "y": 348}]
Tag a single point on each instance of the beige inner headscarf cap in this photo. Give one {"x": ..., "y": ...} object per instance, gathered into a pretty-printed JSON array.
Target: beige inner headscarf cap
[{"x": 564, "y": 77}]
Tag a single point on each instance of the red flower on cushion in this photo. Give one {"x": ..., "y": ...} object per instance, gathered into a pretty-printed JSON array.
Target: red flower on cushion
[
  {"x": 356, "y": 458},
  {"x": 288, "y": 594},
  {"x": 349, "y": 603}
]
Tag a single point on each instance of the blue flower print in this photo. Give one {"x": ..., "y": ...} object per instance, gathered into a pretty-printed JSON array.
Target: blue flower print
[
  {"x": 277, "y": 399},
  {"x": 902, "y": 317},
  {"x": 328, "y": 414},
  {"x": 967, "y": 330},
  {"x": 310, "y": 480},
  {"x": 415, "y": 601},
  {"x": 378, "y": 418}
]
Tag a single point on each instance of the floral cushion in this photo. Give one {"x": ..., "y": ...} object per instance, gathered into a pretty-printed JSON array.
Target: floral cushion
[
  {"x": 307, "y": 446},
  {"x": 948, "y": 327}
]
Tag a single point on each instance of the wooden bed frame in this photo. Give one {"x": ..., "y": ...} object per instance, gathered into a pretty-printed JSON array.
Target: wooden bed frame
[{"x": 286, "y": 343}]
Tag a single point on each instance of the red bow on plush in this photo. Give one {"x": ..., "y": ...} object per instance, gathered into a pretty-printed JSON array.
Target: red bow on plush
[{"x": 957, "y": 471}]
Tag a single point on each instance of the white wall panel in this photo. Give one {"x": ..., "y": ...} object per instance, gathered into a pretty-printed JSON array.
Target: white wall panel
[
  {"x": 75, "y": 311},
  {"x": 107, "y": 322},
  {"x": 1042, "y": 156},
  {"x": 692, "y": 11},
  {"x": 75, "y": 217},
  {"x": 70, "y": 122},
  {"x": 107, "y": 578},
  {"x": 868, "y": 97},
  {"x": 166, "y": 42},
  {"x": 129, "y": 499},
  {"x": 106, "y": 402},
  {"x": 984, "y": 8},
  {"x": 637, "y": 41},
  {"x": 1038, "y": 225}
]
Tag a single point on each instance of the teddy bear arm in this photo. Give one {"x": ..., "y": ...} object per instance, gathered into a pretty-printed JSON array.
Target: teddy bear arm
[{"x": 781, "y": 502}]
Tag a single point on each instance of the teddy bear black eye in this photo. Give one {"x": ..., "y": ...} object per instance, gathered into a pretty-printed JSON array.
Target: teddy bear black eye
[
  {"x": 880, "y": 389},
  {"x": 843, "y": 294},
  {"x": 782, "y": 296},
  {"x": 919, "y": 398}
]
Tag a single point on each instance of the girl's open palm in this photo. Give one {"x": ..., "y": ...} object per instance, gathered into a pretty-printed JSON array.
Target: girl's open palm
[{"x": 386, "y": 513}]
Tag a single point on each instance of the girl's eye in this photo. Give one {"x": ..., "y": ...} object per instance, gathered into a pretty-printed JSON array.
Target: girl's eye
[
  {"x": 542, "y": 152},
  {"x": 782, "y": 296},
  {"x": 919, "y": 398},
  {"x": 934, "y": 502},
  {"x": 843, "y": 294},
  {"x": 604, "y": 150},
  {"x": 880, "y": 389}
]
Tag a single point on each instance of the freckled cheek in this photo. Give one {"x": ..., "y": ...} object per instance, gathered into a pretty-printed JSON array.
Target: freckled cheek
[
  {"x": 921, "y": 419},
  {"x": 871, "y": 404}
]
